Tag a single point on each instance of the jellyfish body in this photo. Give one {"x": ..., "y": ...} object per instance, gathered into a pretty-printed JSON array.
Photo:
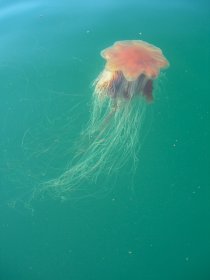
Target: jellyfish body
[{"x": 112, "y": 136}]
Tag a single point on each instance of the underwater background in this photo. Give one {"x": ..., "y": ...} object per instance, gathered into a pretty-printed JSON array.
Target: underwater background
[{"x": 149, "y": 224}]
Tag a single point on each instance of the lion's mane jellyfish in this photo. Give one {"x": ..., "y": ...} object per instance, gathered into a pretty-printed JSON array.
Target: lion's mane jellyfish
[{"x": 112, "y": 137}]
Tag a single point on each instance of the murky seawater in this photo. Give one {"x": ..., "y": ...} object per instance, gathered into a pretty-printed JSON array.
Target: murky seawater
[{"x": 149, "y": 224}]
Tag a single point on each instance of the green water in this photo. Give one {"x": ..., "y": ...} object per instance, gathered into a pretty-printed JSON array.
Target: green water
[{"x": 150, "y": 225}]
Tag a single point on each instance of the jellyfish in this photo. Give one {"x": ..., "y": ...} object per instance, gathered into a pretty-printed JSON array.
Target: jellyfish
[{"x": 120, "y": 97}]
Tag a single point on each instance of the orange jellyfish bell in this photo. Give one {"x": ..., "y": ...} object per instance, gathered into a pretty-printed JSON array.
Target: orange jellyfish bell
[{"x": 130, "y": 69}]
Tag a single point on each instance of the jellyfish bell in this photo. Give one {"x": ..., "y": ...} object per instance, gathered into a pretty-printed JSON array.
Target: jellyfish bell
[
  {"x": 131, "y": 67},
  {"x": 133, "y": 58}
]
